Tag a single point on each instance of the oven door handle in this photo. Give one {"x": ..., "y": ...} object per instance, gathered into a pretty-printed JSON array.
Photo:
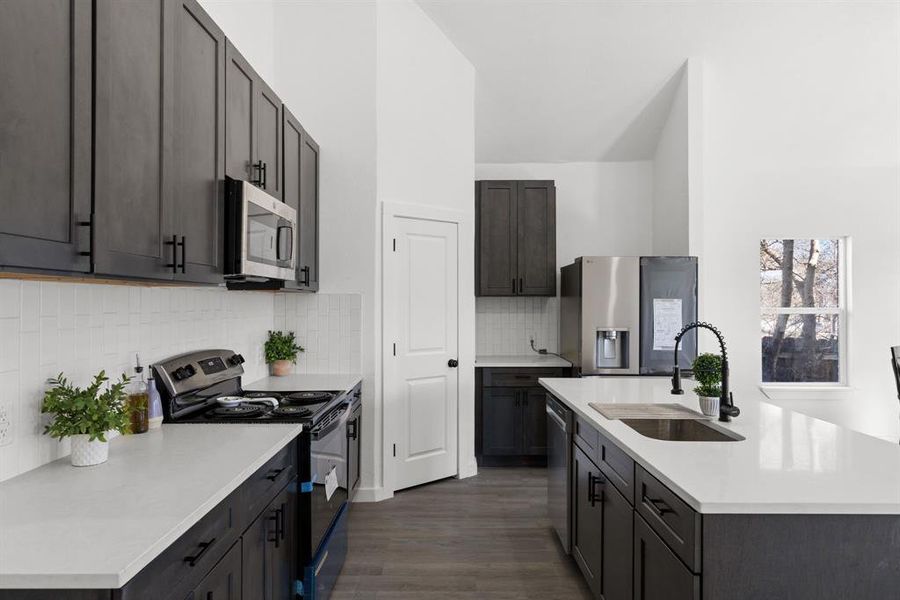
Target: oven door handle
[{"x": 320, "y": 432}]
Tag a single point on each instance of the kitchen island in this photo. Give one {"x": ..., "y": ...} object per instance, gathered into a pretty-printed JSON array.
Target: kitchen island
[{"x": 800, "y": 508}]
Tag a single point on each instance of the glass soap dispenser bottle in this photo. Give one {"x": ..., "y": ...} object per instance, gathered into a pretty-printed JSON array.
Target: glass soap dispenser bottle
[{"x": 139, "y": 399}]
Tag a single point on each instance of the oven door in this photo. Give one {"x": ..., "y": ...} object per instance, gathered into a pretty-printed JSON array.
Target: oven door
[
  {"x": 264, "y": 243},
  {"x": 328, "y": 472}
]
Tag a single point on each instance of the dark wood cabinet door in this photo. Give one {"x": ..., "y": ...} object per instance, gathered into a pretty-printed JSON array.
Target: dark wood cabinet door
[
  {"x": 534, "y": 422},
  {"x": 501, "y": 422},
  {"x": 240, "y": 133},
  {"x": 617, "y": 539},
  {"x": 536, "y": 234},
  {"x": 658, "y": 573},
  {"x": 308, "y": 256},
  {"x": 268, "y": 109},
  {"x": 587, "y": 519},
  {"x": 45, "y": 134},
  {"x": 133, "y": 134},
  {"x": 269, "y": 550},
  {"x": 197, "y": 167},
  {"x": 223, "y": 582},
  {"x": 496, "y": 239},
  {"x": 301, "y": 192}
]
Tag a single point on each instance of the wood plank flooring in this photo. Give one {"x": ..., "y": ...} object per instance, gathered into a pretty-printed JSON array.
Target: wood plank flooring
[{"x": 486, "y": 537}]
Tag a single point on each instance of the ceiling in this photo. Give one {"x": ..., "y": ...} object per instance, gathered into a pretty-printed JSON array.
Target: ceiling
[{"x": 567, "y": 80}]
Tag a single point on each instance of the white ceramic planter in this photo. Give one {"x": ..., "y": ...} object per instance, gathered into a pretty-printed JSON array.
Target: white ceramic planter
[
  {"x": 280, "y": 368},
  {"x": 86, "y": 453},
  {"x": 709, "y": 405}
]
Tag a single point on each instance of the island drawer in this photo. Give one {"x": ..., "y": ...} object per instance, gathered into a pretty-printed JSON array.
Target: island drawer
[
  {"x": 612, "y": 461},
  {"x": 266, "y": 482},
  {"x": 670, "y": 517},
  {"x": 518, "y": 376}
]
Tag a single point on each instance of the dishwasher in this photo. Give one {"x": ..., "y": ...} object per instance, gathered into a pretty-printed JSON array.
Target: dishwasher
[{"x": 559, "y": 461}]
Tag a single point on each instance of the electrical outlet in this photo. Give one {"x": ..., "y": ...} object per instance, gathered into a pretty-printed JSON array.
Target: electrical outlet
[{"x": 6, "y": 428}]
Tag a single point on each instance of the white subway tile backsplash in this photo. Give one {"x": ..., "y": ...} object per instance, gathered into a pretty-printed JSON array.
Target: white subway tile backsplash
[
  {"x": 327, "y": 326},
  {"x": 506, "y": 325}
]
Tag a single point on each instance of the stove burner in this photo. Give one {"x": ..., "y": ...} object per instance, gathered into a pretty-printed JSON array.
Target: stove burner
[
  {"x": 300, "y": 398},
  {"x": 231, "y": 412},
  {"x": 291, "y": 411},
  {"x": 254, "y": 395}
]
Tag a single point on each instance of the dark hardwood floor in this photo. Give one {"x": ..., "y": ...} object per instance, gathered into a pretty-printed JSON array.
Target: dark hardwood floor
[{"x": 483, "y": 537}]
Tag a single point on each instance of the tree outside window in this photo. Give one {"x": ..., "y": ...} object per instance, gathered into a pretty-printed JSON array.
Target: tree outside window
[{"x": 803, "y": 313}]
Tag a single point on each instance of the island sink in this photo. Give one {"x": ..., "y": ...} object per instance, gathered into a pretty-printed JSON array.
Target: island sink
[{"x": 682, "y": 430}]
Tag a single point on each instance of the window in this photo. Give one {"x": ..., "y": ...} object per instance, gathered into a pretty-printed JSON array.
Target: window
[{"x": 804, "y": 316}]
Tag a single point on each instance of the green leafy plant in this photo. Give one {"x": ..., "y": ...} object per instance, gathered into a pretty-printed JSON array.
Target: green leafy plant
[
  {"x": 282, "y": 346},
  {"x": 94, "y": 410},
  {"x": 708, "y": 373}
]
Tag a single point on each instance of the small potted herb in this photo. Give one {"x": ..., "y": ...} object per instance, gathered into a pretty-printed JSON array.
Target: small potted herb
[
  {"x": 708, "y": 373},
  {"x": 87, "y": 415},
  {"x": 281, "y": 352}
]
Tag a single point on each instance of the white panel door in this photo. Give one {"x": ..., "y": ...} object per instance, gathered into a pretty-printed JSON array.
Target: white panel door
[{"x": 425, "y": 383}]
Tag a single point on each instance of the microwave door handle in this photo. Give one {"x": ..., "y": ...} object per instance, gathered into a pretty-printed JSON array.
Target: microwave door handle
[{"x": 290, "y": 243}]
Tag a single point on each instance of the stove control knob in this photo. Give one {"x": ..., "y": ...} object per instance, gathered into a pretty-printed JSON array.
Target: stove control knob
[
  {"x": 235, "y": 360},
  {"x": 182, "y": 373},
  {"x": 189, "y": 370}
]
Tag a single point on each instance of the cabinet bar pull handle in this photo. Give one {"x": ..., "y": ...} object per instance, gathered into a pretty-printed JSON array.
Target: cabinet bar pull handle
[
  {"x": 258, "y": 181},
  {"x": 659, "y": 507},
  {"x": 183, "y": 253},
  {"x": 593, "y": 495},
  {"x": 204, "y": 546},
  {"x": 174, "y": 243},
  {"x": 274, "y": 534},
  {"x": 305, "y": 271},
  {"x": 273, "y": 474},
  {"x": 90, "y": 224}
]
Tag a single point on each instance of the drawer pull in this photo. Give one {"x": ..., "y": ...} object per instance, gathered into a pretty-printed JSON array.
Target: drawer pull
[
  {"x": 274, "y": 473},
  {"x": 659, "y": 507},
  {"x": 204, "y": 546}
]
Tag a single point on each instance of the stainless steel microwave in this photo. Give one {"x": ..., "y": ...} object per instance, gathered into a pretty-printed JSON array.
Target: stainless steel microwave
[{"x": 260, "y": 234}]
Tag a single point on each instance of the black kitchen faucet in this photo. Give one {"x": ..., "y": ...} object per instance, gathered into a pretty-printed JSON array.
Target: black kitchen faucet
[{"x": 727, "y": 409}]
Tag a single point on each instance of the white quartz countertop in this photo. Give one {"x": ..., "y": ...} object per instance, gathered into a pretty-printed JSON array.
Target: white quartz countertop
[
  {"x": 788, "y": 463},
  {"x": 97, "y": 527},
  {"x": 520, "y": 360},
  {"x": 305, "y": 382}
]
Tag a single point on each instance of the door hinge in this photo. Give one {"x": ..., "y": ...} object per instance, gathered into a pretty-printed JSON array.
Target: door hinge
[
  {"x": 395, "y": 244},
  {"x": 395, "y": 450},
  {"x": 395, "y": 348}
]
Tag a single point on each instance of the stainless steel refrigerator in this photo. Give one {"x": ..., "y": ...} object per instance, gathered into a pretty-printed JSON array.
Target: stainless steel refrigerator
[{"x": 619, "y": 314}]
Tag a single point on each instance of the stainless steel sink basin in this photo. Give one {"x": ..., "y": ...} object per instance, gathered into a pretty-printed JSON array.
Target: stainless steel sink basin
[{"x": 682, "y": 430}]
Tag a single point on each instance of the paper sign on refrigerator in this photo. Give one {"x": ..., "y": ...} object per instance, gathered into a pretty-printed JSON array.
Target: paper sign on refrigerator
[{"x": 666, "y": 322}]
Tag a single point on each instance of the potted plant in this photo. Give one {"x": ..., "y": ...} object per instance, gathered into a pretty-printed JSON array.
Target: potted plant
[
  {"x": 87, "y": 415},
  {"x": 281, "y": 352},
  {"x": 707, "y": 370}
]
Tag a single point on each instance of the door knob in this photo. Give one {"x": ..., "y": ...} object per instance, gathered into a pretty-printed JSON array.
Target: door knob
[{"x": 453, "y": 363}]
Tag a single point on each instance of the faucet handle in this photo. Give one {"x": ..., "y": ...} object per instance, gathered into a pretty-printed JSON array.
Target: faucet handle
[{"x": 676, "y": 382}]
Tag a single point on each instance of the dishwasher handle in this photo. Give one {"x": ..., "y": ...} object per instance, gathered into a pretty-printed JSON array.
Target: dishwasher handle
[{"x": 556, "y": 418}]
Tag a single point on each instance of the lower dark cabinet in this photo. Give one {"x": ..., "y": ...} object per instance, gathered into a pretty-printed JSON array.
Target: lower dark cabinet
[
  {"x": 223, "y": 582},
  {"x": 268, "y": 548},
  {"x": 658, "y": 573},
  {"x": 514, "y": 422},
  {"x": 534, "y": 422}
]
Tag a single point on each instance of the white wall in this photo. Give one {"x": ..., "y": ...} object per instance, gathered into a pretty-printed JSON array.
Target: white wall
[
  {"x": 802, "y": 138},
  {"x": 425, "y": 98},
  {"x": 602, "y": 208},
  {"x": 670, "y": 179},
  {"x": 250, "y": 25}
]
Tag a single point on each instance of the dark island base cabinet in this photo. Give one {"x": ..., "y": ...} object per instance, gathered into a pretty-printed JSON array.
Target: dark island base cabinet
[
  {"x": 633, "y": 537},
  {"x": 511, "y": 417},
  {"x": 245, "y": 547}
]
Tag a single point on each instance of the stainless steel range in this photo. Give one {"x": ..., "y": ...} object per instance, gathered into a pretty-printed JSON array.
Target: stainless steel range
[{"x": 204, "y": 387}]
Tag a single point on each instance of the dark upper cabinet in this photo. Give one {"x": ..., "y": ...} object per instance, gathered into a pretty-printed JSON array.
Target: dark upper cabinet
[
  {"x": 301, "y": 192},
  {"x": 45, "y": 134},
  {"x": 252, "y": 126},
  {"x": 268, "y": 548},
  {"x": 197, "y": 166},
  {"x": 515, "y": 238},
  {"x": 223, "y": 582},
  {"x": 601, "y": 530},
  {"x": 132, "y": 134}
]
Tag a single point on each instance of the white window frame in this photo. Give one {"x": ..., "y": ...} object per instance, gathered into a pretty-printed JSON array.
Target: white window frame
[{"x": 810, "y": 389}]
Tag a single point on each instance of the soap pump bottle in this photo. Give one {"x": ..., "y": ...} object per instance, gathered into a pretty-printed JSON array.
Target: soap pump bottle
[
  {"x": 138, "y": 399},
  {"x": 155, "y": 416}
]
